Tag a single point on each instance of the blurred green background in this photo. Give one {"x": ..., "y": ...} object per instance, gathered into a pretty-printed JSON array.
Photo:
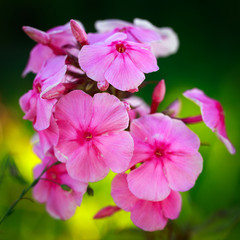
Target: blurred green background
[{"x": 208, "y": 58}]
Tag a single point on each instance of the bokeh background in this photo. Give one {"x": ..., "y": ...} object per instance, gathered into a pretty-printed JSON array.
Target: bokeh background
[{"x": 208, "y": 58}]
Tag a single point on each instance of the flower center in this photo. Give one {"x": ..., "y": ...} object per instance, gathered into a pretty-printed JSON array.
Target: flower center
[
  {"x": 88, "y": 136},
  {"x": 158, "y": 153},
  {"x": 53, "y": 175},
  {"x": 120, "y": 47}
]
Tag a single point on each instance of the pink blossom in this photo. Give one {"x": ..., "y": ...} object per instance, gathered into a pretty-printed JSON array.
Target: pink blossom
[
  {"x": 38, "y": 103},
  {"x": 138, "y": 107},
  {"x": 122, "y": 63},
  {"x": 147, "y": 215},
  {"x": 212, "y": 115},
  {"x": 168, "y": 151},
  {"x": 164, "y": 41},
  {"x": 59, "y": 203},
  {"x": 58, "y": 37},
  {"x": 92, "y": 139}
]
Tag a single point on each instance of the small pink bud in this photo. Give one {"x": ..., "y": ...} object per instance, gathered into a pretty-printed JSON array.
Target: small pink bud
[
  {"x": 158, "y": 95},
  {"x": 133, "y": 90},
  {"x": 78, "y": 32},
  {"x": 102, "y": 85},
  {"x": 106, "y": 212},
  {"x": 37, "y": 35},
  {"x": 127, "y": 105}
]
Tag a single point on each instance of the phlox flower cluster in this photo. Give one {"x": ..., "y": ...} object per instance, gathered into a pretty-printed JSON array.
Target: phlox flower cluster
[{"x": 88, "y": 121}]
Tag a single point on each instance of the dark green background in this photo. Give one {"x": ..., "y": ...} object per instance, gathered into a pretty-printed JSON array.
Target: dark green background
[{"x": 208, "y": 58}]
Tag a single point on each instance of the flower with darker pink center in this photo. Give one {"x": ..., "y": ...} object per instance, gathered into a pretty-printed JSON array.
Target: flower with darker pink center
[
  {"x": 147, "y": 215},
  {"x": 121, "y": 63},
  {"x": 163, "y": 41},
  {"x": 39, "y": 102},
  {"x": 61, "y": 193},
  {"x": 168, "y": 152},
  {"x": 212, "y": 115},
  {"x": 92, "y": 139}
]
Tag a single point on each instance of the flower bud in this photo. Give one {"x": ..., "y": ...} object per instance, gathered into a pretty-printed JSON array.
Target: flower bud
[
  {"x": 106, "y": 212},
  {"x": 158, "y": 95},
  {"x": 37, "y": 35},
  {"x": 133, "y": 90},
  {"x": 102, "y": 85},
  {"x": 78, "y": 32}
]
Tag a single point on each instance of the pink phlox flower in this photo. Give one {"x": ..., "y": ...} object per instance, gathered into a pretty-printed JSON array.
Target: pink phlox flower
[
  {"x": 59, "y": 37},
  {"x": 147, "y": 215},
  {"x": 212, "y": 115},
  {"x": 138, "y": 107},
  {"x": 164, "y": 41},
  {"x": 122, "y": 63},
  {"x": 168, "y": 152},
  {"x": 38, "y": 103},
  {"x": 92, "y": 139},
  {"x": 59, "y": 203}
]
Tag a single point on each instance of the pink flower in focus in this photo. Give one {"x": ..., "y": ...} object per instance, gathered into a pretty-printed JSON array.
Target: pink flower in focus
[
  {"x": 168, "y": 151},
  {"x": 38, "y": 103},
  {"x": 164, "y": 41},
  {"x": 59, "y": 203},
  {"x": 212, "y": 115},
  {"x": 138, "y": 107},
  {"x": 59, "y": 36},
  {"x": 147, "y": 215},
  {"x": 92, "y": 139},
  {"x": 122, "y": 63}
]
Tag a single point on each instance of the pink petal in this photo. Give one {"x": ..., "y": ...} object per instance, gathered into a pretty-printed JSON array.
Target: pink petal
[
  {"x": 109, "y": 114},
  {"x": 38, "y": 56},
  {"x": 148, "y": 216},
  {"x": 75, "y": 108},
  {"x": 67, "y": 142},
  {"x": 181, "y": 139},
  {"x": 212, "y": 114},
  {"x": 49, "y": 137},
  {"x": 28, "y": 104},
  {"x": 110, "y": 24},
  {"x": 171, "y": 206},
  {"x": 150, "y": 128},
  {"x": 123, "y": 74},
  {"x": 44, "y": 113},
  {"x": 116, "y": 150},
  {"x": 142, "y": 57},
  {"x": 148, "y": 181},
  {"x": 121, "y": 194},
  {"x": 61, "y": 204},
  {"x": 174, "y": 108},
  {"x": 183, "y": 171},
  {"x": 42, "y": 189},
  {"x": 87, "y": 165},
  {"x": 95, "y": 60}
]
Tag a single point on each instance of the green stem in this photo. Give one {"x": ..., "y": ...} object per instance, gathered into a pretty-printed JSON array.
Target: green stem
[{"x": 35, "y": 181}]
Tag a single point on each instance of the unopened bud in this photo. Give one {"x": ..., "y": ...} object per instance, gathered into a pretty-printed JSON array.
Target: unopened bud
[
  {"x": 127, "y": 105},
  {"x": 66, "y": 188},
  {"x": 106, "y": 212},
  {"x": 133, "y": 90},
  {"x": 158, "y": 95},
  {"x": 103, "y": 85},
  {"x": 78, "y": 32},
  {"x": 37, "y": 35}
]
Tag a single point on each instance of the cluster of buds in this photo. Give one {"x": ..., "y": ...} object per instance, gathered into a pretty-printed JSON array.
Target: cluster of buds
[{"x": 88, "y": 121}]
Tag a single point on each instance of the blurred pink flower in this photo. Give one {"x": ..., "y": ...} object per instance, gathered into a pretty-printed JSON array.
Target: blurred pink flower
[
  {"x": 212, "y": 115},
  {"x": 163, "y": 41},
  {"x": 122, "y": 63},
  {"x": 168, "y": 151},
  {"x": 147, "y": 215},
  {"x": 60, "y": 203},
  {"x": 38, "y": 103},
  {"x": 92, "y": 139}
]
